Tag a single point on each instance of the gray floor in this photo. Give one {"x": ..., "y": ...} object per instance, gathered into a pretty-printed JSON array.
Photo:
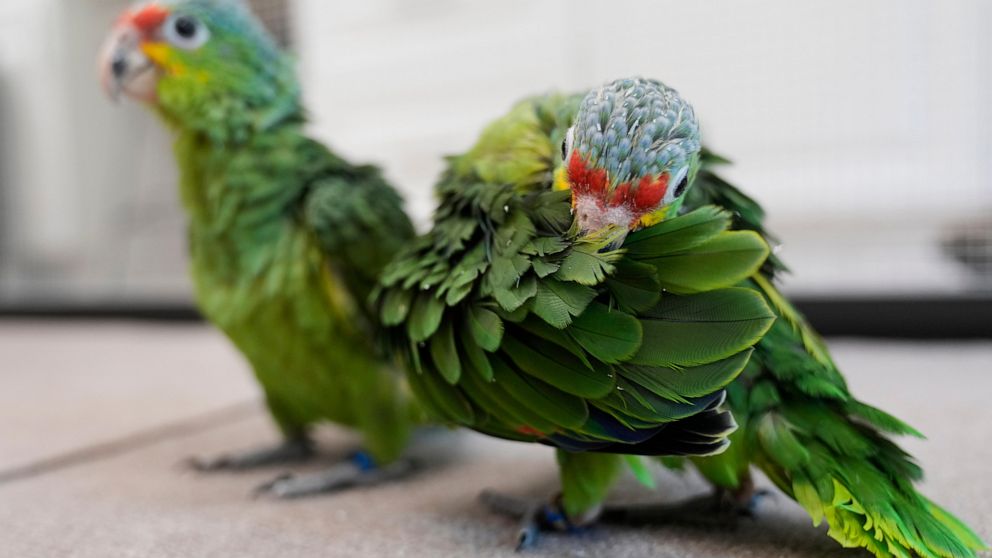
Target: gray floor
[{"x": 95, "y": 418}]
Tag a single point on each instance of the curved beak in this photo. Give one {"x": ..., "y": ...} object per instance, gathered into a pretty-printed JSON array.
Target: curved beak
[{"x": 124, "y": 67}]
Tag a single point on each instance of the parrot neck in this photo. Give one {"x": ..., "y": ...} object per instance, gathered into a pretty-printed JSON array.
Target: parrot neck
[
  {"x": 228, "y": 124},
  {"x": 231, "y": 188}
]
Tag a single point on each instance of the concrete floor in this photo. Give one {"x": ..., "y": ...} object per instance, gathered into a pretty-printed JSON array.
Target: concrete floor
[{"x": 95, "y": 419}]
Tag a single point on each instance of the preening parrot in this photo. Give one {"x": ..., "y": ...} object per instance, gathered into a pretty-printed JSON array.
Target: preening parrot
[
  {"x": 590, "y": 284},
  {"x": 560, "y": 299},
  {"x": 286, "y": 239}
]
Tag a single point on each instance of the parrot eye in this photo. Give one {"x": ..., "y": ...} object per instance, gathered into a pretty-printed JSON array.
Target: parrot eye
[
  {"x": 566, "y": 144},
  {"x": 681, "y": 180},
  {"x": 186, "y": 32}
]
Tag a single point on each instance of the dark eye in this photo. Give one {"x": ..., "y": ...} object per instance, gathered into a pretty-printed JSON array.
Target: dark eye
[
  {"x": 566, "y": 144},
  {"x": 680, "y": 189},
  {"x": 185, "y": 27},
  {"x": 186, "y": 32}
]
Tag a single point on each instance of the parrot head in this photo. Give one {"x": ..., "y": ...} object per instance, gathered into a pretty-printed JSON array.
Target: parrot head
[
  {"x": 200, "y": 63},
  {"x": 630, "y": 155}
]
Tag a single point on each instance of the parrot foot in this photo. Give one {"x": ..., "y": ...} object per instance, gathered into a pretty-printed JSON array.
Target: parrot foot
[
  {"x": 292, "y": 450},
  {"x": 359, "y": 470},
  {"x": 742, "y": 502},
  {"x": 534, "y": 517}
]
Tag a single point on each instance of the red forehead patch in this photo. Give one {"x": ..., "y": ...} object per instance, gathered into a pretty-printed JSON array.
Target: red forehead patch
[{"x": 150, "y": 17}]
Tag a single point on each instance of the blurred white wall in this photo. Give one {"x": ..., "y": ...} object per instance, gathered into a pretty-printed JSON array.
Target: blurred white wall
[
  {"x": 88, "y": 187},
  {"x": 864, "y": 127}
]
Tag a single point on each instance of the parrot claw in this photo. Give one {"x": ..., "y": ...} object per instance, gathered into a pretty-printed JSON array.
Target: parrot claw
[
  {"x": 529, "y": 533},
  {"x": 750, "y": 508},
  {"x": 534, "y": 517},
  {"x": 355, "y": 472},
  {"x": 292, "y": 450},
  {"x": 266, "y": 487},
  {"x": 741, "y": 502}
]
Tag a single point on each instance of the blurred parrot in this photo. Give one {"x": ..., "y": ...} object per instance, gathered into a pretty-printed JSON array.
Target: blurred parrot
[
  {"x": 603, "y": 298},
  {"x": 286, "y": 239}
]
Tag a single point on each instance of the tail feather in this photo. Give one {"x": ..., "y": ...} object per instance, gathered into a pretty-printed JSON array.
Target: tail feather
[
  {"x": 815, "y": 441},
  {"x": 903, "y": 525},
  {"x": 863, "y": 490},
  {"x": 829, "y": 450}
]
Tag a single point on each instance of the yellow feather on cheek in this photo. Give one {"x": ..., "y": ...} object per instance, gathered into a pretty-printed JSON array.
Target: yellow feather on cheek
[
  {"x": 654, "y": 217},
  {"x": 561, "y": 180},
  {"x": 163, "y": 56}
]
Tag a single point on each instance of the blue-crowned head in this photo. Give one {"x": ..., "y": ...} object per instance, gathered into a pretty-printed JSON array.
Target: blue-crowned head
[
  {"x": 202, "y": 63},
  {"x": 630, "y": 155}
]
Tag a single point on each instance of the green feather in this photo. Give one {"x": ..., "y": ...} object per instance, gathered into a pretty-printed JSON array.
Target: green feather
[
  {"x": 703, "y": 328},
  {"x": 634, "y": 286},
  {"x": 475, "y": 354},
  {"x": 494, "y": 397},
  {"x": 512, "y": 298},
  {"x": 559, "y": 368},
  {"x": 445, "y": 355},
  {"x": 723, "y": 261},
  {"x": 558, "y": 302},
  {"x": 395, "y": 307},
  {"x": 425, "y": 317},
  {"x": 555, "y": 405},
  {"x": 586, "y": 265},
  {"x": 546, "y": 333},
  {"x": 678, "y": 384},
  {"x": 486, "y": 327},
  {"x": 442, "y": 398},
  {"x": 678, "y": 234},
  {"x": 609, "y": 336}
]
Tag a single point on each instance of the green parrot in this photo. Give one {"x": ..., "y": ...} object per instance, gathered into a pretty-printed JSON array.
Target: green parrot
[
  {"x": 554, "y": 302},
  {"x": 603, "y": 297},
  {"x": 286, "y": 239}
]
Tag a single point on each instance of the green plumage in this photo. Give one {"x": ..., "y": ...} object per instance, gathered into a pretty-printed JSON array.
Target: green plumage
[
  {"x": 803, "y": 428},
  {"x": 519, "y": 327},
  {"x": 286, "y": 239},
  {"x": 516, "y": 324}
]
